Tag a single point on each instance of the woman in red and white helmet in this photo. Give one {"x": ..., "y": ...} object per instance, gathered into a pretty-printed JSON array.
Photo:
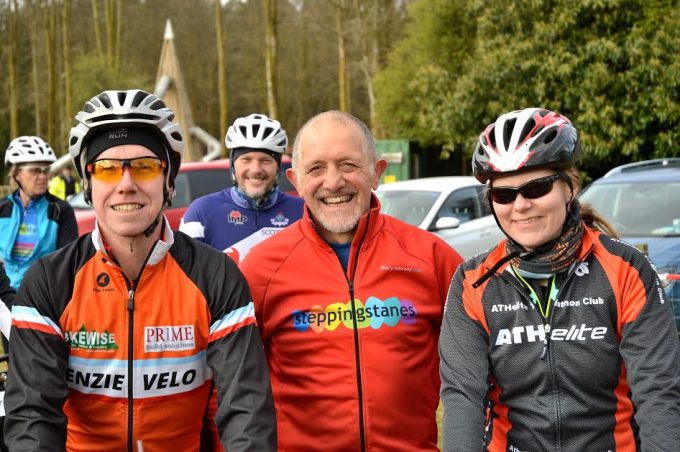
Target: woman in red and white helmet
[
  {"x": 560, "y": 337},
  {"x": 32, "y": 221}
]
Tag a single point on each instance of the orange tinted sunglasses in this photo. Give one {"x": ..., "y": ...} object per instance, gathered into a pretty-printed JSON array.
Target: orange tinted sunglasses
[{"x": 141, "y": 168}]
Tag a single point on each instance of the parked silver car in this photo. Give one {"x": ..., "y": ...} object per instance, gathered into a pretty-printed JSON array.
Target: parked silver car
[{"x": 452, "y": 207}]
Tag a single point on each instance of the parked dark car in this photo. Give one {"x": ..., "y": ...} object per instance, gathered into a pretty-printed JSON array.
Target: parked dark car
[{"x": 642, "y": 201}]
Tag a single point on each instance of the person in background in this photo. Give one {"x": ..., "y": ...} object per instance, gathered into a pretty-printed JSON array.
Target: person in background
[
  {"x": 560, "y": 338},
  {"x": 118, "y": 337},
  {"x": 237, "y": 218},
  {"x": 349, "y": 303},
  {"x": 33, "y": 222},
  {"x": 64, "y": 185}
]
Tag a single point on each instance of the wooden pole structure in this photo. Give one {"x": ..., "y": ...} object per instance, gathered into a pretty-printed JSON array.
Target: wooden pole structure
[{"x": 171, "y": 88}]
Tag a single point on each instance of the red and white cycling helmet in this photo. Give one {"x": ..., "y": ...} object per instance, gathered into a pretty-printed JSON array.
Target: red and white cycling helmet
[
  {"x": 29, "y": 149},
  {"x": 525, "y": 139}
]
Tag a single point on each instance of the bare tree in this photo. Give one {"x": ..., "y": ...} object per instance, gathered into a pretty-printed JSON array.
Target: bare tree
[
  {"x": 97, "y": 29},
  {"x": 33, "y": 14},
  {"x": 221, "y": 72},
  {"x": 50, "y": 52},
  {"x": 271, "y": 56},
  {"x": 12, "y": 69},
  {"x": 66, "y": 61},
  {"x": 343, "y": 82},
  {"x": 112, "y": 33}
]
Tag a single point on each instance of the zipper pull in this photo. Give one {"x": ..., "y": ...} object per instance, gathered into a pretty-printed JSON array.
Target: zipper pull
[
  {"x": 546, "y": 342},
  {"x": 131, "y": 300}
]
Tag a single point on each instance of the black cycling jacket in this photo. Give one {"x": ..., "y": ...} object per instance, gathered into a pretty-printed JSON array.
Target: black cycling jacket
[{"x": 605, "y": 363}]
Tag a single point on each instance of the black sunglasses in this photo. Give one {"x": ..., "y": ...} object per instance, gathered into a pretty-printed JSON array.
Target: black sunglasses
[{"x": 529, "y": 190}]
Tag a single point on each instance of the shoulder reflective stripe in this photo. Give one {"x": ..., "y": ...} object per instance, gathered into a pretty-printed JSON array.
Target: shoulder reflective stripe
[
  {"x": 233, "y": 321},
  {"x": 192, "y": 229},
  {"x": 25, "y": 317}
]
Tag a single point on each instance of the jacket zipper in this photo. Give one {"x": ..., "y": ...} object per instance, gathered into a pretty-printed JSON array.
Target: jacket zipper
[
  {"x": 355, "y": 328},
  {"x": 131, "y": 325}
]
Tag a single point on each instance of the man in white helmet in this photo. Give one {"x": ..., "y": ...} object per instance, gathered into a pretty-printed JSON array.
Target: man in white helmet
[
  {"x": 119, "y": 337},
  {"x": 239, "y": 217}
]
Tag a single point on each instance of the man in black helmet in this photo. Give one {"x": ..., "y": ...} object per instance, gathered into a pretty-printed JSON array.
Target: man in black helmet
[{"x": 118, "y": 338}]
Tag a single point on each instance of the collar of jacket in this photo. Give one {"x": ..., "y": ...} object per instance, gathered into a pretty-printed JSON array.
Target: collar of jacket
[
  {"x": 159, "y": 250},
  {"x": 363, "y": 232}
]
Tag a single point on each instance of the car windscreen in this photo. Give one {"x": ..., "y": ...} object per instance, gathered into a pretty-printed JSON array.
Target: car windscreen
[
  {"x": 638, "y": 208},
  {"x": 407, "y": 205}
]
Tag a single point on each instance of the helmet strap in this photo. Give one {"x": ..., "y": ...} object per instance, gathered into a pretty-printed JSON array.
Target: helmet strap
[{"x": 167, "y": 201}]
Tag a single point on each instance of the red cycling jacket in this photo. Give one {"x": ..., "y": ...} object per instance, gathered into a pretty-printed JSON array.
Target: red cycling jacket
[{"x": 353, "y": 355}]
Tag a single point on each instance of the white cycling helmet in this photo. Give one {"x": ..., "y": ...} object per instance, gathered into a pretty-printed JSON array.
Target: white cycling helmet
[
  {"x": 256, "y": 132},
  {"x": 28, "y": 149},
  {"x": 112, "y": 109}
]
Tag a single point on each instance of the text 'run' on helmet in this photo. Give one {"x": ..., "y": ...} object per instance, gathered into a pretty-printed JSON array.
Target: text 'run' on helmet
[
  {"x": 256, "y": 131},
  {"x": 112, "y": 109},
  {"x": 29, "y": 149},
  {"x": 525, "y": 139}
]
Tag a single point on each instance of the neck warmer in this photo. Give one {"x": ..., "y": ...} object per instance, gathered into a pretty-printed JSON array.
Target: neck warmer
[
  {"x": 262, "y": 203},
  {"x": 554, "y": 256}
]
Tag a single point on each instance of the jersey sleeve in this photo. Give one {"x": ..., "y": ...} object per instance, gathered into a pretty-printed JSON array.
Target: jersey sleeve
[
  {"x": 36, "y": 386},
  {"x": 651, "y": 351},
  {"x": 193, "y": 223},
  {"x": 245, "y": 416},
  {"x": 464, "y": 369}
]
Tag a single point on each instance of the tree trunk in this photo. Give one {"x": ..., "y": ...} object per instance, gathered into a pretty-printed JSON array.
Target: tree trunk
[
  {"x": 33, "y": 10},
  {"x": 270, "y": 56},
  {"x": 49, "y": 26},
  {"x": 66, "y": 49},
  {"x": 119, "y": 30},
  {"x": 97, "y": 29},
  {"x": 12, "y": 70},
  {"x": 343, "y": 97},
  {"x": 110, "y": 32},
  {"x": 221, "y": 71}
]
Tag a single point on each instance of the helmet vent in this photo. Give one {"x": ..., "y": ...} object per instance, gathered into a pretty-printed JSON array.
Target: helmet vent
[
  {"x": 177, "y": 136},
  {"x": 268, "y": 131},
  {"x": 139, "y": 98},
  {"x": 528, "y": 127},
  {"x": 283, "y": 142},
  {"x": 256, "y": 129},
  {"x": 550, "y": 136},
  {"x": 492, "y": 138},
  {"x": 507, "y": 130},
  {"x": 243, "y": 130},
  {"x": 104, "y": 99},
  {"x": 121, "y": 98},
  {"x": 157, "y": 105}
]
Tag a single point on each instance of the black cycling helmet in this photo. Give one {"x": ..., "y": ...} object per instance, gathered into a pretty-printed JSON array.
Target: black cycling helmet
[{"x": 525, "y": 139}]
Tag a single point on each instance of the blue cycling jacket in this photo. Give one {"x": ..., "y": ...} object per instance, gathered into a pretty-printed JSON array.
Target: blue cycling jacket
[
  {"x": 56, "y": 227},
  {"x": 225, "y": 221}
]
